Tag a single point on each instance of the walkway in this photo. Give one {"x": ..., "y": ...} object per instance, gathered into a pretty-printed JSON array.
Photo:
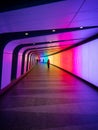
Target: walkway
[{"x": 49, "y": 100}]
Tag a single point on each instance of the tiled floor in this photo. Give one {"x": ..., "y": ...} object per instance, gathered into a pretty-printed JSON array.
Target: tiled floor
[{"x": 49, "y": 99}]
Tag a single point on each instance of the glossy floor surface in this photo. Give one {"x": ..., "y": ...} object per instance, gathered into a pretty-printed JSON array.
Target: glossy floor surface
[{"x": 49, "y": 99}]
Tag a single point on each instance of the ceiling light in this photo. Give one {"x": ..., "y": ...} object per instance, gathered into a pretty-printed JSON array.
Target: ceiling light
[
  {"x": 81, "y": 27},
  {"x": 26, "y": 34},
  {"x": 53, "y": 30}
]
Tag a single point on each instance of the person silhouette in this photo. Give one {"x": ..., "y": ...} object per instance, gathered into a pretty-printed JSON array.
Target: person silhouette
[{"x": 48, "y": 63}]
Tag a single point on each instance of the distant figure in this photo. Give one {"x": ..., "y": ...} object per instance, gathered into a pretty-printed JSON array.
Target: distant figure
[
  {"x": 36, "y": 61},
  {"x": 48, "y": 63}
]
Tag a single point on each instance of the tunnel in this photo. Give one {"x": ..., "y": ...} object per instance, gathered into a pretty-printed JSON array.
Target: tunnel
[{"x": 49, "y": 65}]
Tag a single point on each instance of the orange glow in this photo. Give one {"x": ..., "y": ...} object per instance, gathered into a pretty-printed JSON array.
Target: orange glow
[{"x": 64, "y": 60}]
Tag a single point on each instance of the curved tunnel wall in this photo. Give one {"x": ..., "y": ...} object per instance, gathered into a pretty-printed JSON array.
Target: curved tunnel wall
[
  {"x": 30, "y": 63},
  {"x": 20, "y": 59},
  {"x": 9, "y": 55},
  {"x": 81, "y": 61},
  {"x": 9, "y": 63}
]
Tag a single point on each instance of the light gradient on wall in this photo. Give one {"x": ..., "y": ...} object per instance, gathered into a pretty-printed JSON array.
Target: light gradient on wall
[{"x": 81, "y": 61}]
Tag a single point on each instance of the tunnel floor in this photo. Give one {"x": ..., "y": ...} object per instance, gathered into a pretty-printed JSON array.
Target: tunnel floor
[{"x": 49, "y": 99}]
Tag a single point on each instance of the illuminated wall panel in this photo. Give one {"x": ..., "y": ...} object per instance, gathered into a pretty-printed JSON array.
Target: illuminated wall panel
[
  {"x": 90, "y": 64},
  {"x": 67, "y": 60},
  {"x": 25, "y": 62},
  {"x": 19, "y": 64},
  {"x": 86, "y": 65},
  {"x": 29, "y": 62},
  {"x": 81, "y": 61},
  {"x": 7, "y": 63},
  {"x": 6, "y": 69},
  {"x": 64, "y": 60}
]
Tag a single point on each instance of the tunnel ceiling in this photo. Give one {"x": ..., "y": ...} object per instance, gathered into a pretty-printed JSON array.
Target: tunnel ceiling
[
  {"x": 25, "y": 16},
  {"x": 18, "y": 4}
]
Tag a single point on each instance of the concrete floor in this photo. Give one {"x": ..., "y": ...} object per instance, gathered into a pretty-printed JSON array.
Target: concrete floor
[{"x": 49, "y": 99}]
